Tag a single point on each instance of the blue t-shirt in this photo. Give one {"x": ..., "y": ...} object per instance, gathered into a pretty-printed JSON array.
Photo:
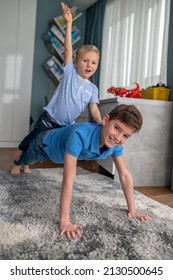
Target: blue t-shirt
[
  {"x": 71, "y": 97},
  {"x": 80, "y": 140}
]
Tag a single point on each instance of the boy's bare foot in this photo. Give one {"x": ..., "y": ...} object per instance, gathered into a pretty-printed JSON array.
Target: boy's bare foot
[
  {"x": 15, "y": 170},
  {"x": 26, "y": 169},
  {"x": 17, "y": 154}
]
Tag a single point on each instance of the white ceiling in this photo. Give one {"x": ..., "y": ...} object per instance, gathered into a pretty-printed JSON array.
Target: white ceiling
[{"x": 83, "y": 4}]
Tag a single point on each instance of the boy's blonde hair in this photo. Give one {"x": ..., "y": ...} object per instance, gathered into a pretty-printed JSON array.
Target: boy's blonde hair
[{"x": 85, "y": 49}]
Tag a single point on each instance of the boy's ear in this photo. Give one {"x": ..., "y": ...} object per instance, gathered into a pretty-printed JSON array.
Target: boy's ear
[{"x": 105, "y": 119}]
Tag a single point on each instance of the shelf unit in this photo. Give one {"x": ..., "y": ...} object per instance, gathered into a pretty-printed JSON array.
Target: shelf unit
[{"x": 54, "y": 41}]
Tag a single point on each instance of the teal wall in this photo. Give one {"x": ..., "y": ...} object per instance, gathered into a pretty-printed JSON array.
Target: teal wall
[{"x": 46, "y": 10}]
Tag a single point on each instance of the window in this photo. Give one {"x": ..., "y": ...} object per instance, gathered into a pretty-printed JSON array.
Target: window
[{"x": 134, "y": 44}]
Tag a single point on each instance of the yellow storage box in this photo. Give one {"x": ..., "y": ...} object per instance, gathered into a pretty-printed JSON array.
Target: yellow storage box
[{"x": 156, "y": 93}]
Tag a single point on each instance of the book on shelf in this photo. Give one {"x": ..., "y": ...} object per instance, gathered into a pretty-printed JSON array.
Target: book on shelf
[
  {"x": 75, "y": 35},
  {"x": 60, "y": 21},
  {"x": 58, "y": 36},
  {"x": 53, "y": 65},
  {"x": 54, "y": 45},
  {"x": 57, "y": 33}
]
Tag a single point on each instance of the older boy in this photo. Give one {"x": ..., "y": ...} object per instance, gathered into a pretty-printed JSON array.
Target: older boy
[{"x": 87, "y": 141}]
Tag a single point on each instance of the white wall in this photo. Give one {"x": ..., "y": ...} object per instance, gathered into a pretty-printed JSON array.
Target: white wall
[{"x": 17, "y": 33}]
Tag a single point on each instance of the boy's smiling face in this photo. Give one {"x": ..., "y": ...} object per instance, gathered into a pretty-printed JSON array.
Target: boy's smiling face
[{"x": 114, "y": 132}]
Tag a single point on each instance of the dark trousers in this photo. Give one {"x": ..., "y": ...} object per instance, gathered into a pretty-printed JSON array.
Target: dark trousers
[
  {"x": 43, "y": 123},
  {"x": 35, "y": 152}
]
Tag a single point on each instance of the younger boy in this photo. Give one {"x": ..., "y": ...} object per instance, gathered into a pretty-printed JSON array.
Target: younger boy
[
  {"x": 72, "y": 95},
  {"x": 88, "y": 141}
]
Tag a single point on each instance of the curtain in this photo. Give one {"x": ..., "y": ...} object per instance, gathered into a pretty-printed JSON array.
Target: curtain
[
  {"x": 134, "y": 44},
  {"x": 170, "y": 62},
  {"x": 93, "y": 31},
  {"x": 170, "y": 54}
]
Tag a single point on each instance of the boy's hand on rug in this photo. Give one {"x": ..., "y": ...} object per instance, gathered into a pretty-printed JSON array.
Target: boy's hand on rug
[
  {"x": 141, "y": 217},
  {"x": 71, "y": 230}
]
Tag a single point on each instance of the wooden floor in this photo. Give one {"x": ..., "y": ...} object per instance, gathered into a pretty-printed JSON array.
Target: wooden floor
[{"x": 162, "y": 194}]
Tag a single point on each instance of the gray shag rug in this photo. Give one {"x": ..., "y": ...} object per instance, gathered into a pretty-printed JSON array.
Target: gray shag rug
[{"x": 29, "y": 220}]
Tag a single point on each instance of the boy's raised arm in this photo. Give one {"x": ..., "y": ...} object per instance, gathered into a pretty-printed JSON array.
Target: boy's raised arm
[{"x": 68, "y": 50}]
